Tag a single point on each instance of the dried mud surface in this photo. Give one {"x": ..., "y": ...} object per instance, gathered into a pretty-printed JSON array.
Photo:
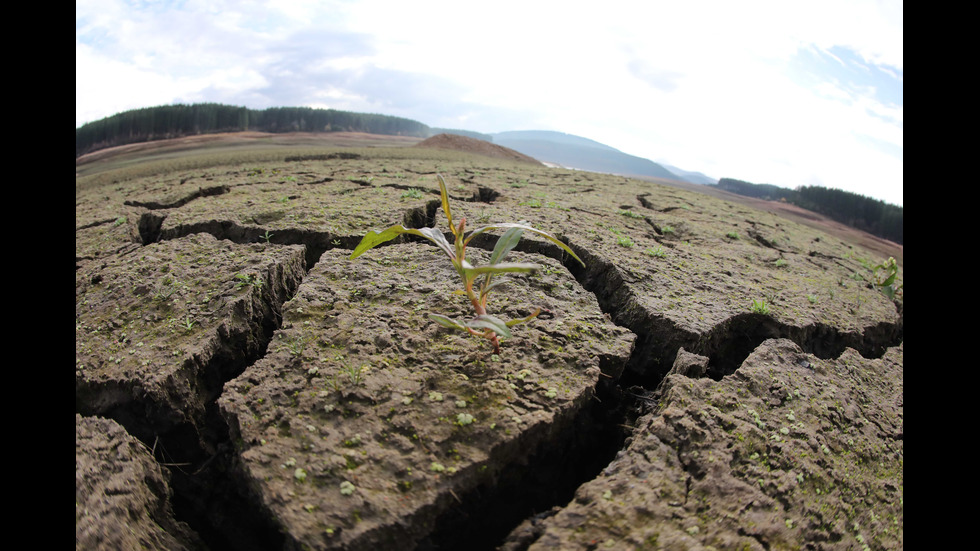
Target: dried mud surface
[{"x": 254, "y": 388}]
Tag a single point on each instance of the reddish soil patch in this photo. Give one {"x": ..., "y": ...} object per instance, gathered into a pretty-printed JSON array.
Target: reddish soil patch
[{"x": 473, "y": 145}]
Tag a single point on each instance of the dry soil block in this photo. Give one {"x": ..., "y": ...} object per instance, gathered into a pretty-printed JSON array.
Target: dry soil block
[
  {"x": 366, "y": 420},
  {"x": 789, "y": 452},
  {"x": 159, "y": 329},
  {"x": 122, "y": 495}
]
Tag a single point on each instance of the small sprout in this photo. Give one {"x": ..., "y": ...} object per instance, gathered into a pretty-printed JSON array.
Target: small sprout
[
  {"x": 551, "y": 393},
  {"x": 789, "y": 523},
  {"x": 346, "y": 488},
  {"x": 309, "y": 508},
  {"x": 884, "y": 278},
  {"x": 759, "y": 307},
  {"x": 657, "y": 252},
  {"x": 464, "y": 419},
  {"x": 245, "y": 280},
  {"x": 629, "y": 214},
  {"x": 732, "y": 235},
  {"x": 355, "y": 372},
  {"x": 461, "y": 403},
  {"x": 478, "y": 281},
  {"x": 299, "y": 474},
  {"x": 436, "y": 467},
  {"x": 625, "y": 241},
  {"x": 607, "y": 495},
  {"x": 435, "y": 396}
]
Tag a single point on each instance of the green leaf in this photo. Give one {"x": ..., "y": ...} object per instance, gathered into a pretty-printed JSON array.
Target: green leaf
[
  {"x": 445, "y": 202},
  {"x": 492, "y": 323},
  {"x": 525, "y": 227},
  {"x": 497, "y": 283},
  {"x": 505, "y": 244},
  {"x": 439, "y": 239},
  {"x": 373, "y": 239},
  {"x": 446, "y": 322}
]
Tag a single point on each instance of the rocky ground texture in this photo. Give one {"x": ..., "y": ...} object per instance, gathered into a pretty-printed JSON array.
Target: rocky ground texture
[{"x": 715, "y": 377}]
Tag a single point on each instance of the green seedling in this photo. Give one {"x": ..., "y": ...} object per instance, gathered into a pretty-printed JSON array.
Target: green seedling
[
  {"x": 478, "y": 281},
  {"x": 884, "y": 279}
]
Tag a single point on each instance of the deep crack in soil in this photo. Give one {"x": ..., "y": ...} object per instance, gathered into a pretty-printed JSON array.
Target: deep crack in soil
[{"x": 510, "y": 493}]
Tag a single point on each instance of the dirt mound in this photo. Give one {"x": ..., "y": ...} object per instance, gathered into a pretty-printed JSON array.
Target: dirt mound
[{"x": 472, "y": 145}]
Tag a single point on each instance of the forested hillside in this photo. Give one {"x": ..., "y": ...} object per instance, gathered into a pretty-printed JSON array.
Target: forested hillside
[
  {"x": 174, "y": 121},
  {"x": 864, "y": 213}
]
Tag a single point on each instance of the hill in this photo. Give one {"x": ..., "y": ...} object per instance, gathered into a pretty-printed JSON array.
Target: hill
[
  {"x": 457, "y": 142},
  {"x": 571, "y": 151},
  {"x": 175, "y": 121},
  {"x": 693, "y": 177},
  {"x": 857, "y": 211}
]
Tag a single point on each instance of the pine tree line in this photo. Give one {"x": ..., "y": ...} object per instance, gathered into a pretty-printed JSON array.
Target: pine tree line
[
  {"x": 864, "y": 213},
  {"x": 174, "y": 121}
]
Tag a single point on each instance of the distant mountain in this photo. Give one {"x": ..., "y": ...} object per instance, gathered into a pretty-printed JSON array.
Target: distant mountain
[
  {"x": 693, "y": 177},
  {"x": 550, "y": 136},
  {"x": 581, "y": 153}
]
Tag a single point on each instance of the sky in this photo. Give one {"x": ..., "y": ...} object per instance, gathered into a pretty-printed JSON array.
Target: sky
[{"x": 776, "y": 92}]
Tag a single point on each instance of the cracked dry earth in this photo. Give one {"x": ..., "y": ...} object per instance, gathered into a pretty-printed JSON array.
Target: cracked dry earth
[{"x": 241, "y": 384}]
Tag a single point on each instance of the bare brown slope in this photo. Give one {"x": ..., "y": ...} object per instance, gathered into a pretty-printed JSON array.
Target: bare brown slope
[
  {"x": 473, "y": 145},
  {"x": 800, "y": 215}
]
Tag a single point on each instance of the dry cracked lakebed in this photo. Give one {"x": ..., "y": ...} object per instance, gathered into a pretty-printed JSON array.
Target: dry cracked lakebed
[{"x": 714, "y": 377}]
